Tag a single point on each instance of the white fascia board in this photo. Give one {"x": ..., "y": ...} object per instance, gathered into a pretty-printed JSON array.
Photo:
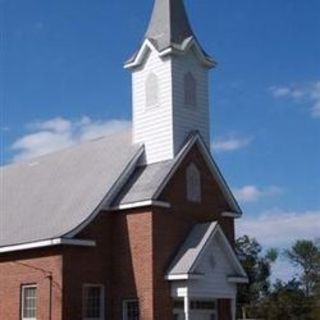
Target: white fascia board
[
  {"x": 231, "y": 215},
  {"x": 233, "y": 279},
  {"x": 147, "y": 45},
  {"x": 47, "y": 243},
  {"x": 139, "y": 204},
  {"x": 186, "y": 276}
]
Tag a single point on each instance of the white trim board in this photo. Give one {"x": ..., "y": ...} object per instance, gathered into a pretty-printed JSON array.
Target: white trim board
[
  {"x": 140, "y": 204},
  {"x": 183, "y": 48},
  {"x": 185, "y": 276},
  {"x": 231, "y": 215},
  {"x": 48, "y": 243}
]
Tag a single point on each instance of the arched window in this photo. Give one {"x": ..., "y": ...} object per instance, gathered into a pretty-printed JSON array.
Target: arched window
[
  {"x": 152, "y": 90},
  {"x": 193, "y": 183},
  {"x": 190, "y": 90}
]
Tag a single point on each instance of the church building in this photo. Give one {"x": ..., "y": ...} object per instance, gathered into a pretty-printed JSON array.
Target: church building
[{"x": 137, "y": 225}]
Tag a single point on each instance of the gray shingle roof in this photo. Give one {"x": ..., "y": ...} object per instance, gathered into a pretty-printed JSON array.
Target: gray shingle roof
[
  {"x": 169, "y": 25},
  {"x": 191, "y": 248},
  {"x": 185, "y": 262},
  {"x": 144, "y": 183},
  {"x": 49, "y": 196}
]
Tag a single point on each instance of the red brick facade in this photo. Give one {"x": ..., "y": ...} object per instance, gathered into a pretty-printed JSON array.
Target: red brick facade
[
  {"x": 40, "y": 267},
  {"x": 132, "y": 253}
]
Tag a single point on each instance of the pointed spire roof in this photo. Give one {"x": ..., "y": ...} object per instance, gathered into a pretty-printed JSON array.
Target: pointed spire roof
[
  {"x": 169, "y": 27},
  {"x": 169, "y": 24}
]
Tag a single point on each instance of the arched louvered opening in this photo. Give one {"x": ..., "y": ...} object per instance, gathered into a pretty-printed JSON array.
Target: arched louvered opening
[
  {"x": 193, "y": 183},
  {"x": 190, "y": 90},
  {"x": 152, "y": 91}
]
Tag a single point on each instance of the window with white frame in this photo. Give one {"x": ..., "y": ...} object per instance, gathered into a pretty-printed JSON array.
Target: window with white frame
[
  {"x": 93, "y": 302},
  {"x": 190, "y": 90},
  {"x": 130, "y": 309},
  {"x": 193, "y": 183},
  {"x": 29, "y": 302},
  {"x": 152, "y": 91}
]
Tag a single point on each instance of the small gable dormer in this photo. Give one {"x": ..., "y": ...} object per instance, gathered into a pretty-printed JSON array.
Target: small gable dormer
[{"x": 169, "y": 84}]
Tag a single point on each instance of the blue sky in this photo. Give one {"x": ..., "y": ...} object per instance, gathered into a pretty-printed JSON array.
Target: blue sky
[{"x": 62, "y": 81}]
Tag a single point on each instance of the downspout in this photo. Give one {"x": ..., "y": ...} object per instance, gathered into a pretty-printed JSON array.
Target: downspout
[{"x": 49, "y": 277}]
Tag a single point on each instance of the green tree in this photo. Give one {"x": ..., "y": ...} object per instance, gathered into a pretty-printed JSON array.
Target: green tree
[
  {"x": 258, "y": 268},
  {"x": 305, "y": 255},
  {"x": 287, "y": 301}
]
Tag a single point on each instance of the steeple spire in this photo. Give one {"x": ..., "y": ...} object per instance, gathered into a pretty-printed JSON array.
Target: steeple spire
[
  {"x": 170, "y": 92},
  {"x": 169, "y": 24},
  {"x": 170, "y": 30}
]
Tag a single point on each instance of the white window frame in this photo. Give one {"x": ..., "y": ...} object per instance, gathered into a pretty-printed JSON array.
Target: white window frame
[
  {"x": 102, "y": 301},
  {"x": 193, "y": 183},
  {"x": 23, "y": 288},
  {"x": 125, "y": 307}
]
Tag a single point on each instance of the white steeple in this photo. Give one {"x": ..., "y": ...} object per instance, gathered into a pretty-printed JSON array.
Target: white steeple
[{"x": 169, "y": 84}]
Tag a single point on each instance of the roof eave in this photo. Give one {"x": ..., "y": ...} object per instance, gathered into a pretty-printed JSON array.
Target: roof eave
[
  {"x": 47, "y": 243},
  {"x": 172, "y": 49}
]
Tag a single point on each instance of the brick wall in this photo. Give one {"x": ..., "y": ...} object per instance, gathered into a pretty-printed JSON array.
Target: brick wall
[
  {"x": 31, "y": 267},
  {"x": 133, "y": 251},
  {"x": 171, "y": 226}
]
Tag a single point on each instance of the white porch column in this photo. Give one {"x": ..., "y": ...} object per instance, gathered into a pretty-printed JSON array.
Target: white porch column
[
  {"x": 186, "y": 307},
  {"x": 234, "y": 308}
]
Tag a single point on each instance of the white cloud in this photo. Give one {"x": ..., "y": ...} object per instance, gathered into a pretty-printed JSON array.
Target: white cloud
[
  {"x": 315, "y": 95},
  {"x": 59, "y": 133},
  {"x": 230, "y": 143},
  {"x": 251, "y": 193},
  {"x": 280, "y": 91},
  {"x": 281, "y": 228},
  {"x": 301, "y": 93}
]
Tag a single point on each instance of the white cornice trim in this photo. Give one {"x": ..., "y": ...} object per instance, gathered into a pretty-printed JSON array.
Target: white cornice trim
[
  {"x": 185, "y": 276},
  {"x": 146, "y": 46},
  {"x": 234, "y": 215},
  {"x": 139, "y": 204},
  {"x": 48, "y": 243},
  {"x": 183, "y": 48},
  {"x": 186, "y": 45}
]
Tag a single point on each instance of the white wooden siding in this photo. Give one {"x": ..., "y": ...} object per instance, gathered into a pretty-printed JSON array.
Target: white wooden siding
[
  {"x": 165, "y": 128},
  {"x": 153, "y": 126},
  {"x": 187, "y": 119}
]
